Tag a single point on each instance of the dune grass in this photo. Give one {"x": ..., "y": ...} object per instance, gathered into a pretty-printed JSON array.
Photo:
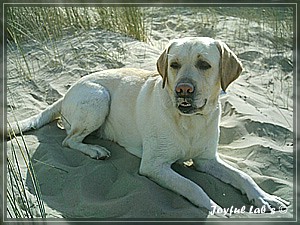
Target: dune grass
[
  {"x": 44, "y": 23},
  {"x": 19, "y": 204},
  {"x": 278, "y": 19}
]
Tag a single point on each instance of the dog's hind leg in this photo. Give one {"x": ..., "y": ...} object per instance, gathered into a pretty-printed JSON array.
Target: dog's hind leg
[
  {"x": 74, "y": 141},
  {"x": 84, "y": 110}
]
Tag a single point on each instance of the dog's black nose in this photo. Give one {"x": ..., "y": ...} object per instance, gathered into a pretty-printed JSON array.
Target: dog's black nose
[{"x": 184, "y": 90}]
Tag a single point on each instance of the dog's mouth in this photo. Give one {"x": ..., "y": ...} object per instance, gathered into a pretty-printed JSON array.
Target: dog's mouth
[{"x": 186, "y": 106}]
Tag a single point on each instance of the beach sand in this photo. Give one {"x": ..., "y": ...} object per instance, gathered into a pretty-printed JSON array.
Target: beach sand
[{"x": 256, "y": 127}]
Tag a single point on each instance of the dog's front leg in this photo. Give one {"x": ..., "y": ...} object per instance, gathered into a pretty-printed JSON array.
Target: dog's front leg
[
  {"x": 228, "y": 174},
  {"x": 161, "y": 173}
]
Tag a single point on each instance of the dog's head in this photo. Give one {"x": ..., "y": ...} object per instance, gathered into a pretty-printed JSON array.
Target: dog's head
[{"x": 194, "y": 70}]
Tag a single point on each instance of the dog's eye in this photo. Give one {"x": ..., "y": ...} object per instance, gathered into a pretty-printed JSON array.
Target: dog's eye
[
  {"x": 175, "y": 65},
  {"x": 202, "y": 65}
]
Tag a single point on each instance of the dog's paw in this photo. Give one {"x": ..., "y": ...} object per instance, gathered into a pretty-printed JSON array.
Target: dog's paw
[
  {"x": 98, "y": 152},
  {"x": 271, "y": 202}
]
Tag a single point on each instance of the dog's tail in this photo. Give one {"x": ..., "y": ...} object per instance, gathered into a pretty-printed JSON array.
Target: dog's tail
[{"x": 48, "y": 115}]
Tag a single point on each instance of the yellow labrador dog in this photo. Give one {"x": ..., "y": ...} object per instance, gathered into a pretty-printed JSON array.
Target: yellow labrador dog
[{"x": 163, "y": 117}]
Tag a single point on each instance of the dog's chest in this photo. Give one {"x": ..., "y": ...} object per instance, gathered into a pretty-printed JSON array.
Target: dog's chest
[{"x": 195, "y": 137}]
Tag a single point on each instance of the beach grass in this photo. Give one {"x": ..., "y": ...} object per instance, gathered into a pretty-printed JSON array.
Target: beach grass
[
  {"x": 19, "y": 205},
  {"x": 44, "y": 25}
]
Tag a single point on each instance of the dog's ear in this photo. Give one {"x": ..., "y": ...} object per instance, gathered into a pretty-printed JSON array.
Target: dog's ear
[
  {"x": 162, "y": 64},
  {"x": 230, "y": 65}
]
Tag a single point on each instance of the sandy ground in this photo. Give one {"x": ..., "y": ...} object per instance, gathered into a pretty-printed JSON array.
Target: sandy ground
[{"x": 256, "y": 127}]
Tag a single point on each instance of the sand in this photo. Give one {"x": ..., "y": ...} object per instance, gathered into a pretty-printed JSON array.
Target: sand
[{"x": 256, "y": 127}]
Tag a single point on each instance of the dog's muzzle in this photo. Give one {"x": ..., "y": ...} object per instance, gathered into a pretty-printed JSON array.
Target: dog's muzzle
[
  {"x": 185, "y": 93},
  {"x": 187, "y": 106}
]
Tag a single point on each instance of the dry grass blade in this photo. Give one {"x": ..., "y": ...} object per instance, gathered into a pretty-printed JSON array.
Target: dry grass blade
[{"x": 16, "y": 181}]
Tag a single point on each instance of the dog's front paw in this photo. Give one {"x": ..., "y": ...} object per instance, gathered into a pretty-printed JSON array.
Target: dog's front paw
[
  {"x": 271, "y": 202},
  {"x": 98, "y": 152}
]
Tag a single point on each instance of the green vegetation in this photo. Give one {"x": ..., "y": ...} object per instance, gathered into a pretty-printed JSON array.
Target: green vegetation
[
  {"x": 278, "y": 19},
  {"x": 49, "y": 23},
  {"x": 44, "y": 25}
]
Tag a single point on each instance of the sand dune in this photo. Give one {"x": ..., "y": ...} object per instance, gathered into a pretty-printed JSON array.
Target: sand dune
[{"x": 256, "y": 131}]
